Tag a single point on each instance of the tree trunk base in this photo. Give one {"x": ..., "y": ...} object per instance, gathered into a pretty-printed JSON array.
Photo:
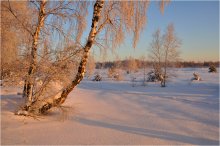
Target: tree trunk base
[
  {"x": 22, "y": 113},
  {"x": 41, "y": 107}
]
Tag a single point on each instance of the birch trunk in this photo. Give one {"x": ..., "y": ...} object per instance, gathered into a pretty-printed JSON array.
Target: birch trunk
[
  {"x": 163, "y": 81},
  {"x": 29, "y": 82},
  {"x": 42, "y": 106}
]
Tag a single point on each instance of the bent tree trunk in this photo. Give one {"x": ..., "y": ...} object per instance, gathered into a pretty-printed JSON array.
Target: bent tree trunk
[
  {"x": 42, "y": 106},
  {"x": 29, "y": 82}
]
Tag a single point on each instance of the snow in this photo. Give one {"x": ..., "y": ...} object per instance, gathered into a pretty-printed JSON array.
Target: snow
[{"x": 114, "y": 112}]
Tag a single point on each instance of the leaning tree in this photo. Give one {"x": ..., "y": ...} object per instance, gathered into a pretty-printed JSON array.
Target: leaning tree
[{"x": 111, "y": 20}]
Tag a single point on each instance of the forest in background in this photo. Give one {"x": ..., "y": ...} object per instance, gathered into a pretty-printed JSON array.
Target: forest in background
[{"x": 140, "y": 64}]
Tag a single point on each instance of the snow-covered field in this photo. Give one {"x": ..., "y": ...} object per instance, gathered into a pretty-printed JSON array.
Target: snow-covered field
[{"x": 114, "y": 112}]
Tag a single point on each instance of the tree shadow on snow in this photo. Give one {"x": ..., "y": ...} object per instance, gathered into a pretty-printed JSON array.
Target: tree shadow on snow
[
  {"x": 149, "y": 132},
  {"x": 11, "y": 102},
  {"x": 162, "y": 109}
]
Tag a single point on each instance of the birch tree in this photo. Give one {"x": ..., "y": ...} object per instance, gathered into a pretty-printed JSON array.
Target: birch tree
[
  {"x": 54, "y": 15},
  {"x": 156, "y": 54},
  {"x": 28, "y": 87},
  {"x": 41, "y": 106},
  {"x": 111, "y": 20},
  {"x": 164, "y": 51},
  {"x": 42, "y": 20},
  {"x": 171, "y": 54}
]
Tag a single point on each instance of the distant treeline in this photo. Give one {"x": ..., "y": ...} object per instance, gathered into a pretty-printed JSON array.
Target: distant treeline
[
  {"x": 197, "y": 64},
  {"x": 140, "y": 64}
]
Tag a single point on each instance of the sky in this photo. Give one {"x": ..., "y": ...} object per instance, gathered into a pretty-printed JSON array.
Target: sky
[{"x": 196, "y": 24}]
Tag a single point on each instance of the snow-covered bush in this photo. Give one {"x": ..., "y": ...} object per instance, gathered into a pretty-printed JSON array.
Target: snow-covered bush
[
  {"x": 212, "y": 68},
  {"x": 196, "y": 77},
  {"x": 153, "y": 77},
  {"x": 97, "y": 78}
]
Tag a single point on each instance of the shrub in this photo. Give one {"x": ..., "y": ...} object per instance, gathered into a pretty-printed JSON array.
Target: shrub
[
  {"x": 196, "y": 77},
  {"x": 153, "y": 77},
  {"x": 115, "y": 74},
  {"x": 97, "y": 78},
  {"x": 212, "y": 68},
  {"x": 118, "y": 77},
  {"x": 111, "y": 72}
]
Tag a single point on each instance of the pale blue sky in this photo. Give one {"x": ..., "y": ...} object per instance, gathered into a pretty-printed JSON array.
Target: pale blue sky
[{"x": 196, "y": 24}]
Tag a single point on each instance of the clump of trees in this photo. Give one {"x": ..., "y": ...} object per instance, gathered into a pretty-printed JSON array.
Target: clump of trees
[
  {"x": 131, "y": 65},
  {"x": 40, "y": 62},
  {"x": 148, "y": 63},
  {"x": 15, "y": 35},
  {"x": 197, "y": 64},
  {"x": 115, "y": 72},
  {"x": 35, "y": 26},
  {"x": 164, "y": 52}
]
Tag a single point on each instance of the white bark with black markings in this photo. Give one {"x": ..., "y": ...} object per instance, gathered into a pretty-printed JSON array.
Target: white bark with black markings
[
  {"x": 29, "y": 83},
  {"x": 42, "y": 106}
]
